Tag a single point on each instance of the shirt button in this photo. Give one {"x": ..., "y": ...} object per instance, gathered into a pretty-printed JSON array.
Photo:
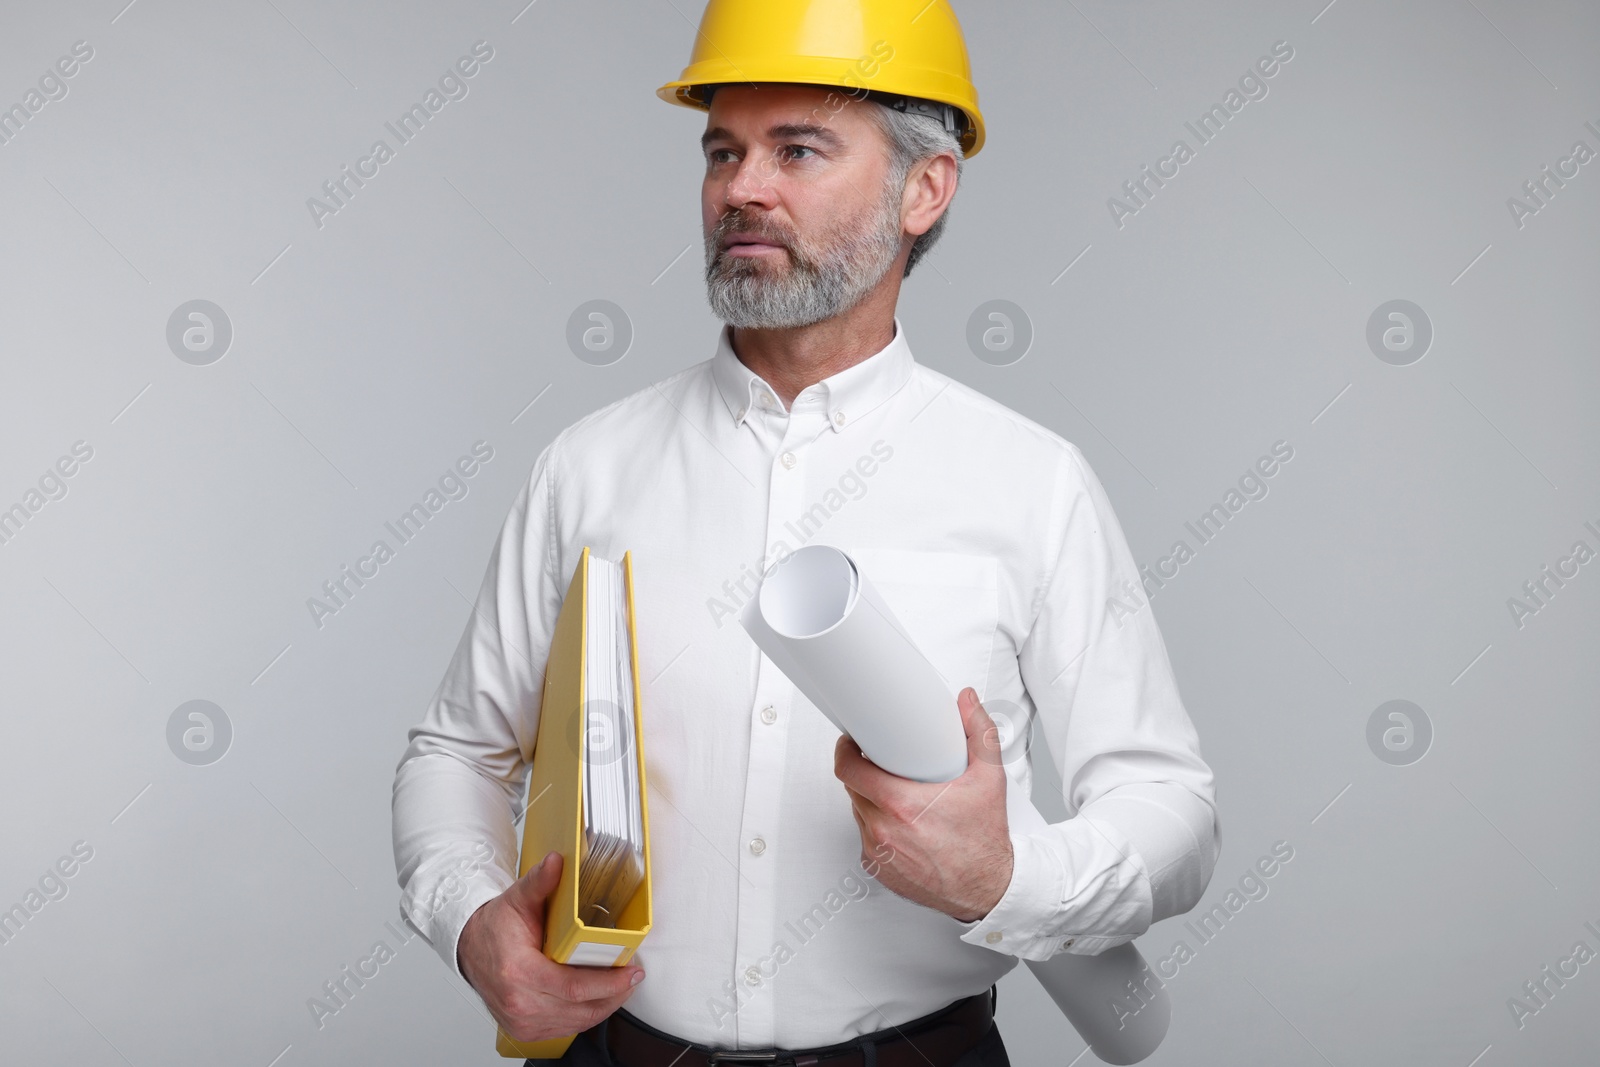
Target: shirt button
[
  {"x": 993, "y": 937},
  {"x": 752, "y": 975},
  {"x": 766, "y": 398},
  {"x": 769, "y": 714},
  {"x": 758, "y": 846},
  {"x": 740, "y": 415},
  {"x": 788, "y": 459},
  {"x": 1069, "y": 942},
  {"x": 838, "y": 418}
]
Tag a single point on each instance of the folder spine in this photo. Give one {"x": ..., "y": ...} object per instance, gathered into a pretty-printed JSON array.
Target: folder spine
[{"x": 555, "y": 821}]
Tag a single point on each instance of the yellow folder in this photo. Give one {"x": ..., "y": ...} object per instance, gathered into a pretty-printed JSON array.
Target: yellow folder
[{"x": 555, "y": 802}]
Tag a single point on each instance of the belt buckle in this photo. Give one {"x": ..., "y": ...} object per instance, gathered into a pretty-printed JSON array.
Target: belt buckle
[{"x": 745, "y": 1057}]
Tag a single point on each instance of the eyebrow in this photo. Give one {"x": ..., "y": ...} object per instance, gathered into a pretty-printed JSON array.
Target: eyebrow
[{"x": 801, "y": 131}]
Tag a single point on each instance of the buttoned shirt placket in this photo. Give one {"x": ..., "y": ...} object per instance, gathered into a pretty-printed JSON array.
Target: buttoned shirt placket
[{"x": 787, "y": 438}]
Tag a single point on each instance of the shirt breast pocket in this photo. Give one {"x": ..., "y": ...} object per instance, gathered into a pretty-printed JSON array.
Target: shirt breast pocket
[{"x": 947, "y": 601}]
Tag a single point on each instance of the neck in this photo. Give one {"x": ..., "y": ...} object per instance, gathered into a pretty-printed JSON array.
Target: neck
[{"x": 791, "y": 360}]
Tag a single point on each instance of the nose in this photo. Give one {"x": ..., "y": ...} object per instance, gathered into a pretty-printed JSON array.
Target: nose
[{"x": 752, "y": 183}]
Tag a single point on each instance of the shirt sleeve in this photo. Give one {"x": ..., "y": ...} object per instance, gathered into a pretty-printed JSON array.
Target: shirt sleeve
[
  {"x": 1142, "y": 836},
  {"x": 460, "y": 784}
]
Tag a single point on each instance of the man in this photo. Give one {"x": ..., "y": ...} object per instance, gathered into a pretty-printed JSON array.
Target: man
[{"x": 809, "y": 906}]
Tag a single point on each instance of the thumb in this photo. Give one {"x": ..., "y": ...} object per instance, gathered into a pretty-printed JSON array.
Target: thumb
[
  {"x": 529, "y": 893},
  {"x": 983, "y": 736}
]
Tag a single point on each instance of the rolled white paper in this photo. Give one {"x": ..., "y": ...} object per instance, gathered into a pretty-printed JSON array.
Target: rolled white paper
[
  {"x": 817, "y": 616},
  {"x": 1113, "y": 999},
  {"x": 1096, "y": 995},
  {"x": 820, "y": 620}
]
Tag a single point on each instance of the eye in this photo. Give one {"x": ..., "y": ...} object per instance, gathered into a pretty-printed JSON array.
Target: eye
[
  {"x": 716, "y": 154},
  {"x": 790, "y": 150}
]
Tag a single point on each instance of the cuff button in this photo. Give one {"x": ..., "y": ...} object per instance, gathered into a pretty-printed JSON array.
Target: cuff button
[{"x": 993, "y": 937}]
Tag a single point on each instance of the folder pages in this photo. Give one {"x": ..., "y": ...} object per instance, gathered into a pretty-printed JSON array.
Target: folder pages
[{"x": 586, "y": 791}]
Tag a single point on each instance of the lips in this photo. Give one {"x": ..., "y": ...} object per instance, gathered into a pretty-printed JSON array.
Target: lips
[{"x": 749, "y": 244}]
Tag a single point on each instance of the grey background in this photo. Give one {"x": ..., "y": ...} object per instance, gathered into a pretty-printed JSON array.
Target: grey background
[{"x": 367, "y": 355}]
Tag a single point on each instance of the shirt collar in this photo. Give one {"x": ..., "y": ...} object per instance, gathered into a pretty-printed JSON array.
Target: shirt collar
[{"x": 843, "y": 397}]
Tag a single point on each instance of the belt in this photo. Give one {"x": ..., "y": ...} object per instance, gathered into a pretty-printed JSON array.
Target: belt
[{"x": 939, "y": 1038}]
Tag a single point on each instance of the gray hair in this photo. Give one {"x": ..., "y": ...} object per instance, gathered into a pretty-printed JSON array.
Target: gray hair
[{"x": 913, "y": 138}]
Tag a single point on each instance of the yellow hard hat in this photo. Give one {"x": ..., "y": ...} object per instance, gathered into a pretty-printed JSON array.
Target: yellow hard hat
[{"x": 887, "y": 50}]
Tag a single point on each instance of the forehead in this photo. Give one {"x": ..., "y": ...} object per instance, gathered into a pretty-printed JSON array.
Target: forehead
[{"x": 772, "y": 111}]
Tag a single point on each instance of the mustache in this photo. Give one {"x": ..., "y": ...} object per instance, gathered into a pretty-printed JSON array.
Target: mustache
[{"x": 738, "y": 222}]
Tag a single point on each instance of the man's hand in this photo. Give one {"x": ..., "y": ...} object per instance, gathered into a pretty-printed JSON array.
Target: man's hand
[
  {"x": 952, "y": 848},
  {"x": 530, "y": 996}
]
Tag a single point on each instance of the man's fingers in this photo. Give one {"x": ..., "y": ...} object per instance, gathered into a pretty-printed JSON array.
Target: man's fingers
[
  {"x": 983, "y": 734},
  {"x": 974, "y": 719},
  {"x": 558, "y": 1006},
  {"x": 527, "y": 896},
  {"x": 572, "y": 983},
  {"x": 861, "y": 804},
  {"x": 529, "y": 893},
  {"x": 852, "y": 767},
  {"x": 582, "y": 985},
  {"x": 868, "y": 838},
  {"x": 530, "y": 995}
]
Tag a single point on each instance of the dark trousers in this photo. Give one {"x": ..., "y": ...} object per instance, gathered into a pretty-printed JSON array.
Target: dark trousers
[{"x": 586, "y": 1050}]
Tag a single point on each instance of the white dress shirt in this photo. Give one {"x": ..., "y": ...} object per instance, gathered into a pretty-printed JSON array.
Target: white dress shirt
[{"x": 996, "y": 547}]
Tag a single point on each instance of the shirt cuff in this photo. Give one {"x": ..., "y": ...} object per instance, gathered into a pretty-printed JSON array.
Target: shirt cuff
[
  {"x": 1043, "y": 911},
  {"x": 442, "y": 925},
  {"x": 1037, "y": 882}
]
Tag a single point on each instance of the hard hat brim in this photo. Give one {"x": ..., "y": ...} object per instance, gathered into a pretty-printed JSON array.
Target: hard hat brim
[{"x": 688, "y": 91}]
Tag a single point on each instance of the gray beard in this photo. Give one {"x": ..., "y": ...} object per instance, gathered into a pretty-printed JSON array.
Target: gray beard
[{"x": 817, "y": 284}]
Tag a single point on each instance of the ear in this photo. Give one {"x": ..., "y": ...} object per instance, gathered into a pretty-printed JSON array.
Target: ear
[{"x": 930, "y": 186}]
